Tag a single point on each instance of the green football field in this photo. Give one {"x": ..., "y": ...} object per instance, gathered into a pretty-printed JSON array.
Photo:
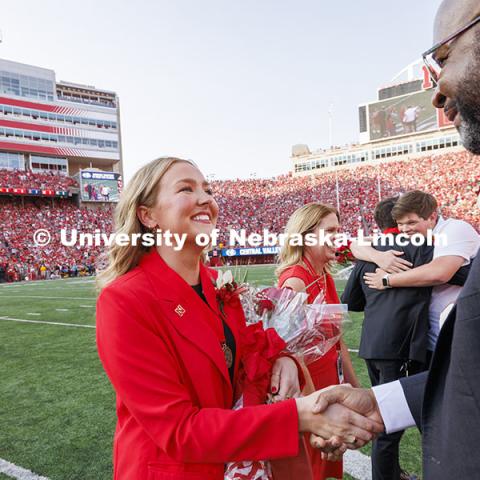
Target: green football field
[{"x": 56, "y": 405}]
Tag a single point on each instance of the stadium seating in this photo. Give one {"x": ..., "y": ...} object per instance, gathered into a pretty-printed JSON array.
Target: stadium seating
[
  {"x": 42, "y": 181},
  {"x": 454, "y": 179},
  {"x": 21, "y": 217},
  {"x": 252, "y": 205}
]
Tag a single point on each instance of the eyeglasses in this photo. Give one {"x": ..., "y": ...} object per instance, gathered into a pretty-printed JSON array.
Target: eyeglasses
[{"x": 433, "y": 61}]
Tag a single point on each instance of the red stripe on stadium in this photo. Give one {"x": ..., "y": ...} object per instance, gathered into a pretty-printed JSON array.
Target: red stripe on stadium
[
  {"x": 28, "y": 126},
  {"x": 25, "y": 104},
  {"x": 17, "y": 147},
  {"x": 40, "y": 128},
  {"x": 43, "y": 107},
  {"x": 59, "y": 152}
]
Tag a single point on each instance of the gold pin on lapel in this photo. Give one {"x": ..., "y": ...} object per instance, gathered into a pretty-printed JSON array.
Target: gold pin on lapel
[{"x": 180, "y": 310}]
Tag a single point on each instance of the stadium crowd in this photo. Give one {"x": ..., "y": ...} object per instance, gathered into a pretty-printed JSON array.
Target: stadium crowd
[
  {"x": 20, "y": 218},
  {"x": 253, "y": 205},
  {"x": 41, "y": 181}
]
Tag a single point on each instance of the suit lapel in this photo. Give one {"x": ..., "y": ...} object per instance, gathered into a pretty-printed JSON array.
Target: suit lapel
[{"x": 185, "y": 310}]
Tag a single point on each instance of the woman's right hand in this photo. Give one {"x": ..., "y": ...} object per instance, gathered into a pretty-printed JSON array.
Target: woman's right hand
[{"x": 336, "y": 421}]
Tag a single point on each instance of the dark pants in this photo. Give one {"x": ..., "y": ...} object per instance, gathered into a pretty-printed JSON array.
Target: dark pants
[{"x": 385, "y": 449}]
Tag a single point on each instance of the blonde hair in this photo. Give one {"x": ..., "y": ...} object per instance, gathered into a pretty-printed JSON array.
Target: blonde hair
[
  {"x": 142, "y": 189},
  {"x": 303, "y": 220}
]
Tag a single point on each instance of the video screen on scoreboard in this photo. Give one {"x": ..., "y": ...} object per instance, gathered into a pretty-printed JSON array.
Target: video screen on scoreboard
[
  {"x": 402, "y": 115},
  {"x": 100, "y": 186}
]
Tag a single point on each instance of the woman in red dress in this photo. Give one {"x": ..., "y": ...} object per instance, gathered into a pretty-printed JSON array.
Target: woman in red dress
[
  {"x": 306, "y": 268},
  {"x": 174, "y": 357}
]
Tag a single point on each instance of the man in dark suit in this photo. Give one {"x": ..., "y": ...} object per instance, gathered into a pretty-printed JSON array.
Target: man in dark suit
[
  {"x": 395, "y": 325},
  {"x": 445, "y": 401},
  {"x": 394, "y": 330}
]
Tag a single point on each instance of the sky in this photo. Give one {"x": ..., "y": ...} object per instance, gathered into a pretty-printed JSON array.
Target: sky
[{"x": 232, "y": 85}]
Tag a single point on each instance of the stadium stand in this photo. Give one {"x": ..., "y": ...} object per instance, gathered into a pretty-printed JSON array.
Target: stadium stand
[
  {"x": 27, "y": 179},
  {"x": 454, "y": 179},
  {"x": 21, "y": 217},
  {"x": 252, "y": 205}
]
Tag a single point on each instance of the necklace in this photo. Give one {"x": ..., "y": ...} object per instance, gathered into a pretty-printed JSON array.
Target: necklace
[
  {"x": 220, "y": 331},
  {"x": 227, "y": 353},
  {"x": 317, "y": 277}
]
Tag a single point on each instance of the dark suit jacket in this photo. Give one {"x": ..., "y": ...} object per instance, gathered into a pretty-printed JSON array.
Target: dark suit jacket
[
  {"x": 396, "y": 322},
  {"x": 445, "y": 401}
]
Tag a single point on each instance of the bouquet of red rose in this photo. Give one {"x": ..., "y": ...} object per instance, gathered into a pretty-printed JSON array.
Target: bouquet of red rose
[
  {"x": 309, "y": 330},
  {"x": 344, "y": 255}
]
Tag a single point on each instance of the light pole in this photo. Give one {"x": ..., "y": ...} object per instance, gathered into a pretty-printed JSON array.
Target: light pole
[
  {"x": 330, "y": 125},
  {"x": 337, "y": 191},
  {"x": 379, "y": 185}
]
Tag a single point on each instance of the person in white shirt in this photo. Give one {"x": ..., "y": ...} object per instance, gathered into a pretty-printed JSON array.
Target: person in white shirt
[
  {"x": 410, "y": 119},
  {"x": 105, "y": 192}
]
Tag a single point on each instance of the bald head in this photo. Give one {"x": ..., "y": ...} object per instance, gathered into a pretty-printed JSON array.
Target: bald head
[
  {"x": 458, "y": 86},
  {"x": 453, "y": 15}
]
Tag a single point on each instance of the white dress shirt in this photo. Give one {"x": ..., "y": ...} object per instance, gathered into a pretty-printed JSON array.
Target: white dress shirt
[{"x": 393, "y": 407}]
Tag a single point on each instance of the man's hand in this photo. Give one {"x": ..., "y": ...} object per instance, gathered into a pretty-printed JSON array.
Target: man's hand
[
  {"x": 329, "y": 419},
  {"x": 359, "y": 400},
  {"x": 375, "y": 280},
  {"x": 390, "y": 262}
]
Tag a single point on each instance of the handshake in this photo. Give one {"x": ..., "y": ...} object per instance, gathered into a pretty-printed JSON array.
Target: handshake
[{"x": 339, "y": 418}]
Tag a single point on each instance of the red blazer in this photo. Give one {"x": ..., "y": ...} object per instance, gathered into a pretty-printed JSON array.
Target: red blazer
[{"x": 174, "y": 397}]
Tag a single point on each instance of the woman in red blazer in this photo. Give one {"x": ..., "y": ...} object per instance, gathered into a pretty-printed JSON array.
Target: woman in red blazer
[{"x": 173, "y": 358}]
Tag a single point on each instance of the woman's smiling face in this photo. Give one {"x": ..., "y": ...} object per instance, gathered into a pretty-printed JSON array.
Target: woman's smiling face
[{"x": 184, "y": 202}]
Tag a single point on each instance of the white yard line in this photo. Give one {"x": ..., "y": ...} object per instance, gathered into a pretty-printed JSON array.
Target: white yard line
[
  {"x": 32, "y": 313},
  {"x": 50, "y": 298},
  {"x": 357, "y": 465},
  {"x": 45, "y": 287},
  {"x": 69, "y": 281},
  {"x": 353, "y": 350},
  {"x": 19, "y": 473},
  {"x": 61, "y": 309},
  {"x": 22, "y": 320}
]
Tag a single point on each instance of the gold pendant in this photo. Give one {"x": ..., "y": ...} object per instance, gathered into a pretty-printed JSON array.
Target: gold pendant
[{"x": 227, "y": 352}]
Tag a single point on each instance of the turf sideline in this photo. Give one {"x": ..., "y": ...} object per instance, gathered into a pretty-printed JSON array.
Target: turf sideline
[
  {"x": 19, "y": 473},
  {"x": 357, "y": 465},
  {"x": 50, "y": 298},
  {"x": 22, "y": 320}
]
